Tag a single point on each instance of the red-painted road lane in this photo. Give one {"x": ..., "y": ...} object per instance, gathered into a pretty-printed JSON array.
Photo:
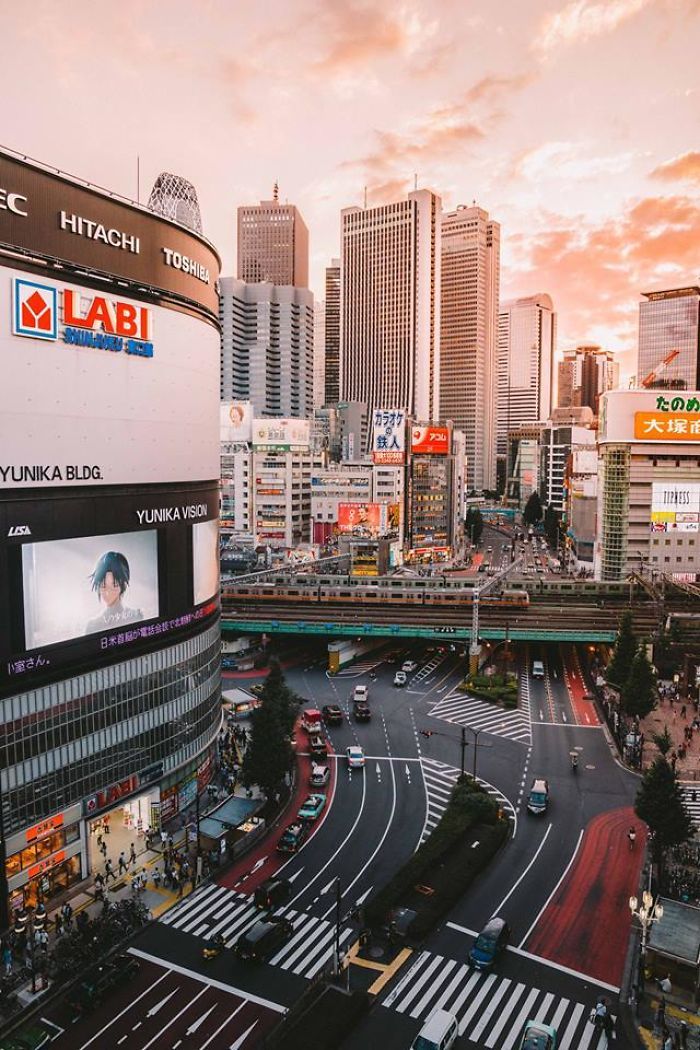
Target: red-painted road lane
[
  {"x": 584, "y": 710},
  {"x": 263, "y": 861},
  {"x": 166, "y": 1007},
  {"x": 586, "y": 924}
]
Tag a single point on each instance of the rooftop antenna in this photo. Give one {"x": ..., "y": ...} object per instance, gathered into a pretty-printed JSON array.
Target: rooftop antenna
[
  {"x": 138, "y": 179},
  {"x": 415, "y": 180},
  {"x": 276, "y": 192},
  {"x": 365, "y": 197}
]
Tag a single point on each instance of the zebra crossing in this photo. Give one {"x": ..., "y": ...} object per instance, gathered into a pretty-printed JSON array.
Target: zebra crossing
[
  {"x": 439, "y": 781},
  {"x": 691, "y": 799},
  {"x": 217, "y": 910},
  {"x": 465, "y": 710},
  {"x": 491, "y": 1010},
  {"x": 427, "y": 669}
]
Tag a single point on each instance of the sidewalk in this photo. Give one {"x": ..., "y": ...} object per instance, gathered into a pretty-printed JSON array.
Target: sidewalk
[{"x": 678, "y": 716}]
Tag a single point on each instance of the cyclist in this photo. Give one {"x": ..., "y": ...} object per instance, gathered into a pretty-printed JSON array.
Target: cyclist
[{"x": 631, "y": 836}]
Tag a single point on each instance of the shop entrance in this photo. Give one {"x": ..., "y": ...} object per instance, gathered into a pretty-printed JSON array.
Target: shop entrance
[{"x": 114, "y": 831}]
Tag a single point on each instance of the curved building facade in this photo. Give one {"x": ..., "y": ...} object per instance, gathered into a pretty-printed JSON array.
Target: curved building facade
[{"x": 109, "y": 461}]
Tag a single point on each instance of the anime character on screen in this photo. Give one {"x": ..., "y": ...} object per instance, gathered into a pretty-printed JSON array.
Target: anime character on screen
[{"x": 110, "y": 581}]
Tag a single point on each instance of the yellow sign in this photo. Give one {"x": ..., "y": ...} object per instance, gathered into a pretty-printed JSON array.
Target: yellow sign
[{"x": 667, "y": 426}]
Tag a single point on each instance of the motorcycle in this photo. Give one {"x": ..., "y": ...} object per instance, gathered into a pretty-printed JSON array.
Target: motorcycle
[
  {"x": 216, "y": 948},
  {"x": 574, "y": 761}
]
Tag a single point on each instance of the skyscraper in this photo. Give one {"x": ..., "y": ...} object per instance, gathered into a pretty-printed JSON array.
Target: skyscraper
[
  {"x": 471, "y": 249},
  {"x": 319, "y": 354},
  {"x": 390, "y": 305},
  {"x": 267, "y": 347},
  {"x": 273, "y": 244},
  {"x": 526, "y": 345},
  {"x": 669, "y": 321},
  {"x": 332, "y": 392},
  {"x": 584, "y": 374},
  {"x": 175, "y": 198}
]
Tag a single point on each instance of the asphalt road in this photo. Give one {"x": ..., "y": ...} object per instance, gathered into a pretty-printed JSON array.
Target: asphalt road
[{"x": 375, "y": 819}]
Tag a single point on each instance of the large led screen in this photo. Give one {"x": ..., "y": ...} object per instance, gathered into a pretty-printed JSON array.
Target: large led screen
[
  {"x": 88, "y": 585},
  {"x": 205, "y": 560}
]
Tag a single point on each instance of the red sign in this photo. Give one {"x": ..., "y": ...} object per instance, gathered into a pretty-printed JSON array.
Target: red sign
[
  {"x": 44, "y": 865},
  {"x": 204, "y": 773},
  {"x": 45, "y": 828},
  {"x": 168, "y": 804},
  {"x": 434, "y": 441},
  {"x": 106, "y": 315},
  {"x": 116, "y": 791}
]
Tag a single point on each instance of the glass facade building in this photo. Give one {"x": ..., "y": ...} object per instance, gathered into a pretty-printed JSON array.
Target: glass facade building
[{"x": 670, "y": 321}]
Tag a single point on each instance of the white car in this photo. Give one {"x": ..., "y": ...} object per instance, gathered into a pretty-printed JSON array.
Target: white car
[
  {"x": 356, "y": 757},
  {"x": 320, "y": 775},
  {"x": 409, "y": 666},
  {"x": 400, "y": 678}
]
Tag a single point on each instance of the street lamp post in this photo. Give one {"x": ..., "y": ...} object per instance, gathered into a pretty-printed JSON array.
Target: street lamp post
[{"x": 648, "y": 911}]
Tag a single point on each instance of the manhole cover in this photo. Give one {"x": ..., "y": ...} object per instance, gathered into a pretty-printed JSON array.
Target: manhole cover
[{"x": 376, "y": 951}]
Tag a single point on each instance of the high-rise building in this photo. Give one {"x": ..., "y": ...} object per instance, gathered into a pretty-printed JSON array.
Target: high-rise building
[
  {"x": 584, "y": 374},
  {"x": 175, "y": 198},
  {"x": 273, "y": 244},
  {"x": 669, "y": 321},
  {"x": 468, "y": 335},
  {"x": 527, "y": 333},
  {"x": 390, "y": 305},
  {"x": 267, "y": 347},
  {"x": 319, "y": 354},
  {"x": 332, "y": 362}
]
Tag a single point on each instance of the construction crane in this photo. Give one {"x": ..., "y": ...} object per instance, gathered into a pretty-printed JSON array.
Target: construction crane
[
  {"x": 474, "y": 647},
  {"x": 650, "y": 379}
]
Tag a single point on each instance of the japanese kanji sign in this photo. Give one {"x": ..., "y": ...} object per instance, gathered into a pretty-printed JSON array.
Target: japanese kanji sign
[
  {"x": 667, "y": 426},
  {"x": 388, "y": 435}
]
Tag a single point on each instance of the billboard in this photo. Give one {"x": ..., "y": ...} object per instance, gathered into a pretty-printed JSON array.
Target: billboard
[
  {"x": 99, "y": 389},
  {"x": 281, "y": 435},
  {"x": 667, "y": 426},
  {"x": 88, "y": 585},
  {"x": 368, "y": 519},
  {"x": 433, "y": 441},
  {"x": 662, "y": 416},
  {"x": 205, "y": 560},
  {"x": 236, "y": 421},
  {"x": 675, "y": 506},
  {"x": 388, "y": 435}
]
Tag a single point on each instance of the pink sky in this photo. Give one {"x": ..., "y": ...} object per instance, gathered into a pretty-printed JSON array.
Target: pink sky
[{"x": 575, "y": 123}]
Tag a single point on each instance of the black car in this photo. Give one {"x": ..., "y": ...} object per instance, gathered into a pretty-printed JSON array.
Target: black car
[
  {"x": 264, "y": 938},
  {"x": 292, "y": 838},
  {"x": 332, "y": 715},
  {"x": 271, "y": 893},
  {"x": 361, "y": 711}
]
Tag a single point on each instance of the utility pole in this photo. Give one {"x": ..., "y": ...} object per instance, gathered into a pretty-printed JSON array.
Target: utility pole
[{"x": 464, "y": 747}]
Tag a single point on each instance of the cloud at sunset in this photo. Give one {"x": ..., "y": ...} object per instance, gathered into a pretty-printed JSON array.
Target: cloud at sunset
[
  {"x": 683, "y": 168},
  {"x": 581, "y": 20}
]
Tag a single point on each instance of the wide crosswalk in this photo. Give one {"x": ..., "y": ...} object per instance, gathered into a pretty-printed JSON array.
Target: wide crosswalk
[
  {"x": 215, "y": 909},
  {"x": 491, "y": 1010},
  {"x": 427, "y": 669},
  {"x": 467, "y": 710},
  {"x": 691, "y": 798},
  {"x": 439, "y": 780}
]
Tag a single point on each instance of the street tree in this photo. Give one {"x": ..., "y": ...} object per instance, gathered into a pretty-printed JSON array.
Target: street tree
[
  {"x": 659, "y": 804},
  {"x": 551, "y": 525},
  {"x": 269, "y": 754},
  {"x": 532, "y": 515},
  {"x": 474, "y": 524},
  {"x": 638, "y": 696},
  {"x": 619, "y": 667},
  {"x": 663, "y": 741}
]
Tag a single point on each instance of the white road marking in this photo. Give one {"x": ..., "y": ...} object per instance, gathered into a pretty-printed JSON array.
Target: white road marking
[
  {"x": 200, "y": 1021},
  {"x": 222, "y": 1026},
  {"x": 241, "y": 1039},
  {"x": 202, "y": 979},
  {"x": 559, "y": 882},
  {"x": 524, "y": 873},
  {"x": 174, "y": 1019},
  {"x": 127, "y": 1008}
]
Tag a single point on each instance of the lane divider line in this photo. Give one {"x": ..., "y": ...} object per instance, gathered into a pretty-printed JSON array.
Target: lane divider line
[
  {"x": 561, "y": 879},
  {"x": 515, "y": 885}
]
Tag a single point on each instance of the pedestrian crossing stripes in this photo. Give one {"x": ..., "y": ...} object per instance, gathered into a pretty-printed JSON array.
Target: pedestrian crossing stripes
[
  {"x": 691, "y": 798},
  {"x": 358, "y": 668},
  {"x": 466, "y": 710},
  {"x": 217, "y": 910},
  {"x": 491, "y": 1010},
  {"x": 425, "y": 671},
  {"x": 439, "y": 782}
]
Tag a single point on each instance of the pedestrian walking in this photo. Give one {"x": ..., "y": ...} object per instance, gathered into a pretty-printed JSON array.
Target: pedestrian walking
[
  {"x": 683, "y": 711},
  {"x": 179, "y": 883},
  {"x": 58, "y": 924},
  {"x": 135, "y": 882},
  {"x": 156, "y": 878},
  {"x": 99, "y": 887},
  {"x": 103, "y": 848},
  {"x": 109, "y": 871},
  {"x": 122, "y": 863},
  {"x": 7, "y": 959},
  {"x": 105, "y": 823},
  {"x": 132, "y": 854},
  {"x": 67, "y": 913},
  {"x": 163, "y": 838},
  {"x": 667, "y": 1040}
]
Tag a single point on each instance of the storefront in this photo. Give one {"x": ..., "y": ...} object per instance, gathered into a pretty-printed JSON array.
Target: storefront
[{"x": 45, "y": 860}]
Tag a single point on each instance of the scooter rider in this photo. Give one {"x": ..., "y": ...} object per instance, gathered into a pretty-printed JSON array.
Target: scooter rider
[{"x": 574, "y": 760}]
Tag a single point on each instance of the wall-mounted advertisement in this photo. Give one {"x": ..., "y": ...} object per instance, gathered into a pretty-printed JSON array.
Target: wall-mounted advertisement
[
  {"x": 368, "y": 519},
  {"x": 88, "y": 585},
  {"x": 236, "y": 421},
  {"x": 388, "y": 435},
  {"x": 281, "y": 435},
  {"x": 118, "y": 395},
  {"x": 430, "y": 441},
  {"x": 205, "y": 560},
  {"x": 675, "y": 506}
]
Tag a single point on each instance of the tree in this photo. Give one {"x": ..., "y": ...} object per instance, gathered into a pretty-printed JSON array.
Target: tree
[
  {"x": 474, "y": 524},
  {"x": 619, "y": 667},
  {"x": 532, "y": 515},
  {"x": 269, "y": 755},
  {"x": 663, "y": 741},
  {"x": 638, "y": 693},
  {"x": 551, "y": 525},
  {"x": 659, "y": 804}
]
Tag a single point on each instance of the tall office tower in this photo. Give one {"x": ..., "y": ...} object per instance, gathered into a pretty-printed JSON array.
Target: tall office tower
[
  {"x": 670, "y": 321},
  {"x": 527, "y": 336},
  {"x": 319, "y": 354},
  {"x": 273, "y": 244},
  {"x": 390, "y": 305},
  {"x": 175, "y": 198},
  {"x": 584, "y": 375},
  {"x": 332, "y": 393},
  {"x": 267, "y": 347},
  {"x": 471, "y": 250}
]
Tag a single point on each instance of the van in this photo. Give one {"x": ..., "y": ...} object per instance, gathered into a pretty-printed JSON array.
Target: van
[
  {"x": 538, "y": 799},
  {"x": 490, "y": 943},
  {"x": 438, "y": 1033},
  {"x": 537, "y": 669}
]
